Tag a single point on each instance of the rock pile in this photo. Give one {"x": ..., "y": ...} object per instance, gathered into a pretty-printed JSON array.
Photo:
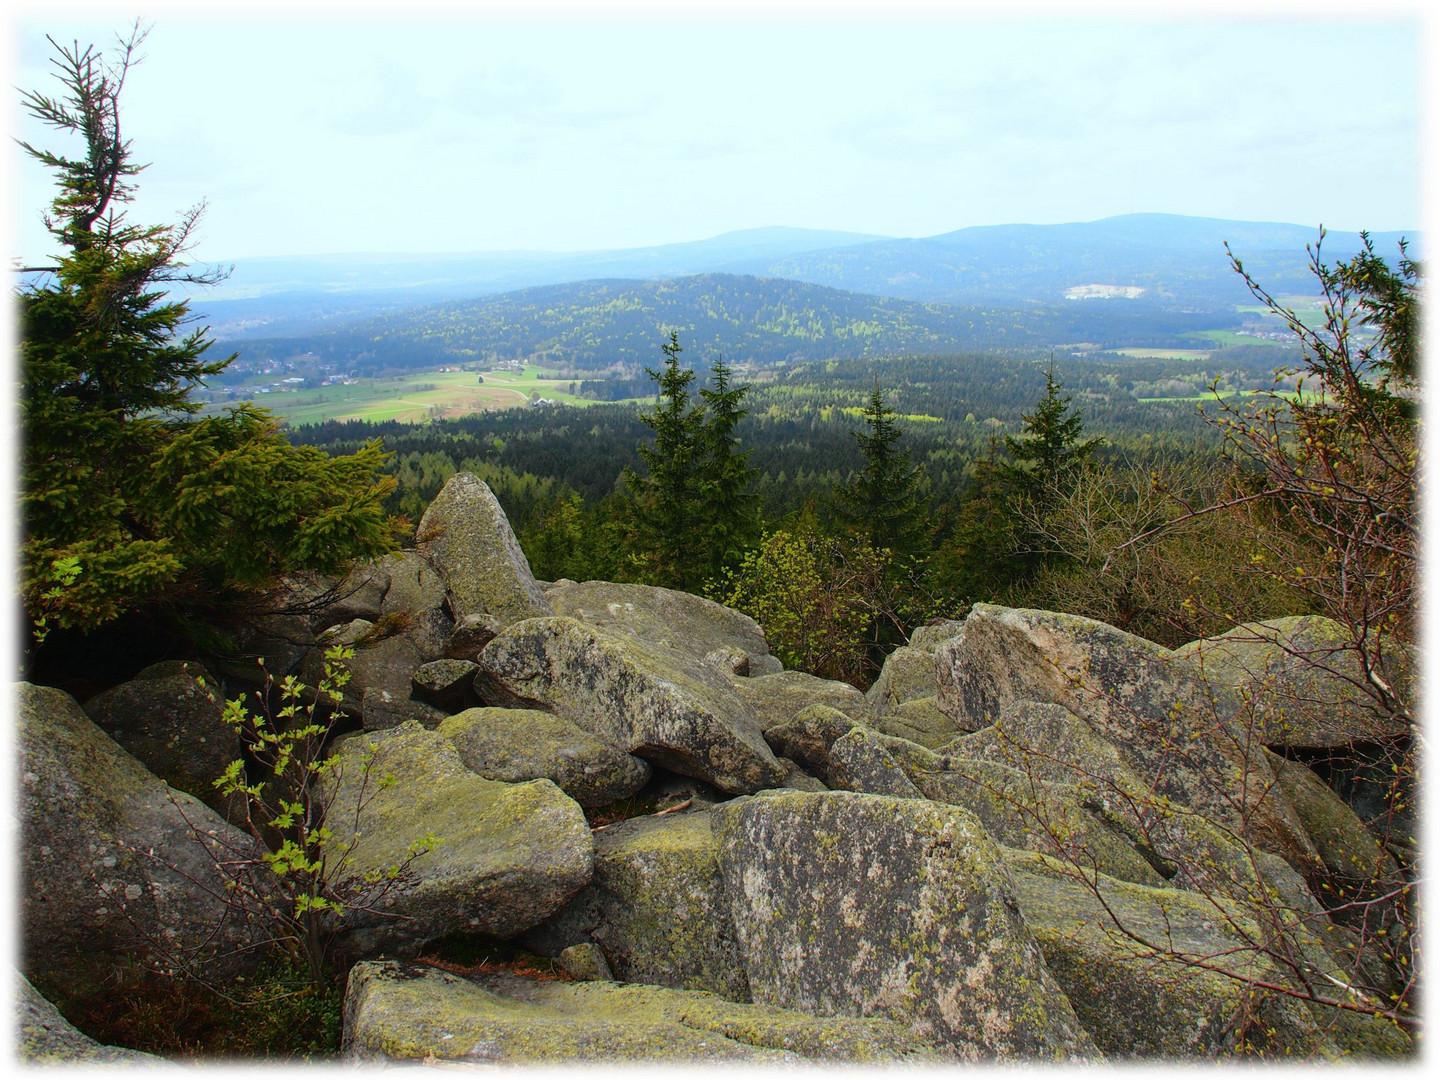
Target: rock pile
[{"x": 1035, "y": 838}]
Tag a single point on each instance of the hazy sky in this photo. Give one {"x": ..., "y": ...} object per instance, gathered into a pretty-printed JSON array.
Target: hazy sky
[{"x": 328, "y": 133}]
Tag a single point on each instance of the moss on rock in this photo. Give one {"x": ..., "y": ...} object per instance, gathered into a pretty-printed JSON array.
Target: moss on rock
[{"x": 515, "y": 745}]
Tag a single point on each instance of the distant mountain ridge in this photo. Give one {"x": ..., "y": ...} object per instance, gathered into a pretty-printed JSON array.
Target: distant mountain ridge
[
  {"x": 1175, "y": 262},
  {"x": 619, "y": 325}
]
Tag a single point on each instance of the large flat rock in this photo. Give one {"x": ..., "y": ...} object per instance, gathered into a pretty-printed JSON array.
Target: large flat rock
[
  {"x": 1318, "y": 695},
  {"x": 409, "y": 1012},
  {"x": 649, "y": 701},
  {"x": 515, "y": 745},
  {"x": 1148, "y": 703},
  {"x": 510, "y": 855},
  {"x": 863, "y": 905},
  {"x": 681, "y": 621}
]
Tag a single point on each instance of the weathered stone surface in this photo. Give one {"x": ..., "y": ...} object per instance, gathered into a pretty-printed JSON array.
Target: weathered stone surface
[
  {"x": 656, "y": 907},
  {"x": 690, "y": 625},
  {"x": 410, "y": 1012},
  {"x": 381, "y": 708},
  {"x": 659, "y": 705},
  {"x": 1161, "y": 1001},
  {"x": 510, "y": 855},
  {"x": 44, "y": 1037},
  {"x": 843, "y": 753},
  {"x": 415, "y": 604},
  {"x": 1309, "y": 686},
  {"x": 1148, "y": 703},
  {"x": 1022, "y": 811},
  {"x": 908, "y": 674},
  {"x": 585, "y": 962},
  {"x": 174, "y": 725},
  {"x": 729, "y": 659},
  {"x": 1048, "y": 740},
  {"x": 515, "y": 745},
  {"x": 776, "y": 698},
  {"x": 1346, "y": 847},
  {"x": 860, "y": 762},
  {"x": 166, "y": 668},
  {"x": 798, "y": 778},
  {"x": 468, "y": 539},
  {"x": 861, "y": 905},
  {"x": 359, "y": 595},
  {"x": 471, "y": 634},
  {"x": 920, "y": 721},
  {"x": 929, "y": 637},
  {"x": 90, "y": 895},
  {"x": 412, "y": 584},
  {"x": 446, "y": 684},
  {"x": 380, "y": 662},
  {"x": 806, "y": 737}
]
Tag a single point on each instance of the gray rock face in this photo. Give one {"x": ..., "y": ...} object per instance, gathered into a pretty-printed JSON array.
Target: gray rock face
[
  {"x": 842, "y": 753},
  {"x": 446, "y": 684},
  {"x": 380, "y": 662},
  {"x": 516, "y": 745},
  {"x": 174, "y": 725},
  {"x": 908, "y": 674},
  {"x": 776, "y": 699},
  {"x": 930, "y": 637},
  {"x": 860, "y": 905},
  {"x": 920, "y": 721},
  {"x": 1140, "y": 1004},
  {"x": 468, "y": 539},
  {"x": 90, "y": 895},
  {"x": 659, "y": 705},
  {"x": 471, "y": 634},
  {"x": 1019, "y": 810},
  {"x": 381, "y": 708},
  {"x": 1348, "y": 850},
  {"x": 860, "y": 762},
  {"x": 409, "y": 1012},
  {"x": 690, "y": 625},
  {"x": 510, "y": 855},
  {"x": 1138, "y": 696},
  {"x": 415, "y": 602},
  {"x": 271, "y": 644},
  {"x": 44, "y": 1037},
  {"x": 656, "y": 907},
  {"x": 1314, "y": 687}
]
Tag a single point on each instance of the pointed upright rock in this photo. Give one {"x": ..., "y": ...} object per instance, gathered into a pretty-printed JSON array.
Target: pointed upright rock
[{"x": 469, "y": 541}]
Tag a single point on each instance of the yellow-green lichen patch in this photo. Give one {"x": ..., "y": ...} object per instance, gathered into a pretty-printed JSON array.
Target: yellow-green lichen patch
[{"x": 864, "y": 905}]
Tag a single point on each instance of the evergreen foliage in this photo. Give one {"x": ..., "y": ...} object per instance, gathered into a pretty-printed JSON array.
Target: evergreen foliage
[
  {"x": 887, "y": 501},
  {"x": 127, "y": 501},
  {"x": 727, "y": 477},
  {"x": 669, "y": 496},
  {"x": 1050, "y": 451}
]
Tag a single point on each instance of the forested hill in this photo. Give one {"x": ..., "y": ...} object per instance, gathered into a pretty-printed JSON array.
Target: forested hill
[{"x": 615, "y": 325}]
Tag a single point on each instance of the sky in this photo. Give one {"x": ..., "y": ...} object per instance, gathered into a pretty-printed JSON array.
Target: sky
[{"x": 310, "y": 130}]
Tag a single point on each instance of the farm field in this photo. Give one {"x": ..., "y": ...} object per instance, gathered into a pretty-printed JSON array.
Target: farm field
[
  {"x": 1164, "y": 354},
  {"x": 431, "y": 395}
]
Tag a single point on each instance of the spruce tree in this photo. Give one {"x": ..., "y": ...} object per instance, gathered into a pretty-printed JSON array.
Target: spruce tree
[
  {"x": 1051, "y": 450},
  {"x": 669, "y": 507},
  {"x": 887, "y": 500},
  {"x": 731, "y": 519},
  {"x": 128, "y": 501}
]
